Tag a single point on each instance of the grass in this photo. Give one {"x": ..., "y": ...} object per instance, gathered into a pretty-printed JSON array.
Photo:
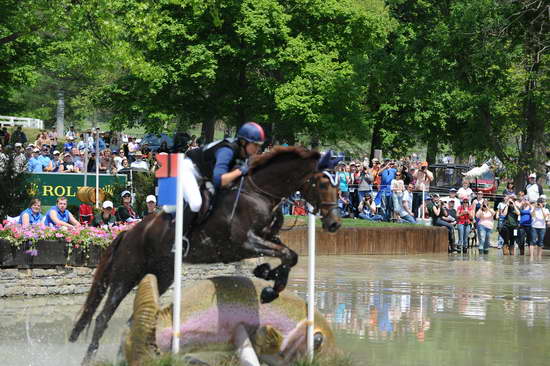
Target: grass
[
  {"x": 300, "y": 221},
  {"x": 170, "y": 360}
]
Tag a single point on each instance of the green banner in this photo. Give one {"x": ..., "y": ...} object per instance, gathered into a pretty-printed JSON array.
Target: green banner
[{"x": 49, "y": 186}]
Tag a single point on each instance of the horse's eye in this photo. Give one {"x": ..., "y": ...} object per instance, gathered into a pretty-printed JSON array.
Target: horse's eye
[{"x": 318, "y": 340}]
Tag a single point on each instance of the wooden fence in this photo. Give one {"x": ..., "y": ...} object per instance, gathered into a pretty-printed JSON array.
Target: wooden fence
[{"x": 371, "y": 240}]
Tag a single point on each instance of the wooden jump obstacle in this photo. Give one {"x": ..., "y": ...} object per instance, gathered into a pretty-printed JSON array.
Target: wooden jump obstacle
[{"x": 371, "y": 240}]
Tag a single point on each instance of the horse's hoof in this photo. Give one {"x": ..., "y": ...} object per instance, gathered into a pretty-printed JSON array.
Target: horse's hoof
[
  {"x": 262, "y": 271},
  {"x": 268, "y": 295}
]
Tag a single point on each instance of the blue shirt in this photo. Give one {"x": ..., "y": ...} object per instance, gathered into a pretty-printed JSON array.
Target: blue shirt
[
  {"x": 387, "y": 176},
  {"x": 62, "y": 216},
  {"x": 224, "y": 156},
  {"x": 525, "y": 217},
  {"x": 67, "y": 146},
  {"x": 44, "y": 160},
  {"x": 343, "y": 183},
  {"x": 33, "y": 218},
  {"x": 34, "y": 165}
]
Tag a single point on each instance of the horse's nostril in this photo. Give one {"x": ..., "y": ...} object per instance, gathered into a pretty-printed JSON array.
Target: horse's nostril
[{"x": 334, "y": 226}]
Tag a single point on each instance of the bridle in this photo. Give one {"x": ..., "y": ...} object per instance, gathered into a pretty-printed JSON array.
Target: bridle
[{"x": 312, "y": 181}]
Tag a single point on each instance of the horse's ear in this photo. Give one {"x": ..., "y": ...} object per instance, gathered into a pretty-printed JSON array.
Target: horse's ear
[{"x": 328, "y": 161}]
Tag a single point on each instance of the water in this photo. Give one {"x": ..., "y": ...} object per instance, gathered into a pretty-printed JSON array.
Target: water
[{"x": 386, "y": 310}]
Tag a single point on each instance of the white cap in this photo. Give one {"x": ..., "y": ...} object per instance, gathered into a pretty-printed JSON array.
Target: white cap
[
  {"x": 124, "y": 193},
  {"x": 151, "y": 198},
  {"x": 56, "y": 152},
  {"x": 138, "y": 140},
  {"x": 533, "y": 175},
  {"x": 18, "y": 144},
  {"x": 36, "y": 149},
  {"x": 107, "y": 204}
]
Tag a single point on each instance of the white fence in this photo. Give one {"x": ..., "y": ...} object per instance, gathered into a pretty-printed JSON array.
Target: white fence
[{"x": 20, "y": 121}]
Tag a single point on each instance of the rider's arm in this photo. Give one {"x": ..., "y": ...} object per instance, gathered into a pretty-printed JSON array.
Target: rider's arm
[{"x": 221, "y": 175}]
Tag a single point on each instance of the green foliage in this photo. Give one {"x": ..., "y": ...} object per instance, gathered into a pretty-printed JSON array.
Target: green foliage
[{"x": 15, "y": 187}]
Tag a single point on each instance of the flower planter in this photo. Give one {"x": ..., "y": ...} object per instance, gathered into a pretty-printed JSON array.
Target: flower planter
[
  {"x": 20, "y": 257},
  {"x": 76, "y": 258},
  {"x": 5, "y": 252},
  {"x": 94, "y": 255},
  {"x": 50, "y": 253}
]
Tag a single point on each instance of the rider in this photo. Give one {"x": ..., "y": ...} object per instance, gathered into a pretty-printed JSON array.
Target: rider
[{"x": 213, "y": 162}]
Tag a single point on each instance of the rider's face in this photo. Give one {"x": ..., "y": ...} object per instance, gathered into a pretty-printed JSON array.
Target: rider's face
[{"x": 251, "y": 148}]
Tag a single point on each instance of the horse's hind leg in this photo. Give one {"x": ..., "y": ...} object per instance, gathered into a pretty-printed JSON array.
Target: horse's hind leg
[
  {"x": 117, "y": 292},
  {"x": 288, "y": 257}
]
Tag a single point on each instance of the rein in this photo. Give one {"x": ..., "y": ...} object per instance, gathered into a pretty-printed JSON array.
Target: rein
[{"x": 262, "y": 191}]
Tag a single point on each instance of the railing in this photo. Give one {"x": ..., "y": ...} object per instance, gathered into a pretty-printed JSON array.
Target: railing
[{"x": 21, "y": 121}]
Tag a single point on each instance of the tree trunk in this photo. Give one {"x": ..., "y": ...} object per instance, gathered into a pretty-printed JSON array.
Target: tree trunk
[
  {"x": 376, "y": 140},
  {"x": 431, "y": 152},
  {"x": 60, "y": 114},
  {"x": 208, "y": 128}
]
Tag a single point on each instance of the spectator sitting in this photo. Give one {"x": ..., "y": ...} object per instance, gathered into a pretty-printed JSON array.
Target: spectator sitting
[
  {"x": 56, "y": 161},
  {"x": 126, "y": 213},
  {"x": 35, "y": 165},
  {"x": 452, "y": 197},
  {"x": 71, "y": 133},
  {"x": 343, "y": 204},
  {"x": 451, "y": 212},
  {"x": 44, "y": 159},
  {"x": 59, "y": 216},
  {"x": 437, "y": 212},
  {"x": 139, "y": 162},
  {"x": 20, "y": 159},
  {"x": 18, "y": 136},
  {"x": 67, "y": 166},
  {"x": 42, "y": 140},
  {"x": 151, "y": 202},
  {"x": 406, "y": 213},
  {"x": 367, "y": 209},
  {"x": 106, "y": 218},
  {"x": 31, "y": 215},
  {"x": 118, "y": 159}
]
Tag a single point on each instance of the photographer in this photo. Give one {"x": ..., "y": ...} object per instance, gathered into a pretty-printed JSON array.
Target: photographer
[
  {"x": 437, "y": 211},
  {"x": 509, "y": 225},
  {"x": 367, "y": 209},
  {"x": 485, "y": 225},
  {"x": 423, "y": 179},
  {"x": 540, "y": 219},
  {"x": 387, "y": 174},
  {"x": 524, "y": 230},
  {"x": 365, "y": 183}
]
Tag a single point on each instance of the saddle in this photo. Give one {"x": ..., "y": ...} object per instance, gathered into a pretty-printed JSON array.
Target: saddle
[{"x": 207, "y": 193}]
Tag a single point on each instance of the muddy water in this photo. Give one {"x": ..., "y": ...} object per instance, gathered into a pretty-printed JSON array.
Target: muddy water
[{"x": 386, "y": 310}]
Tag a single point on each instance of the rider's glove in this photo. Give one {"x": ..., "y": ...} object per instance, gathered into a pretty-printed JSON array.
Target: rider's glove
[{"x": 244, "y": 168}]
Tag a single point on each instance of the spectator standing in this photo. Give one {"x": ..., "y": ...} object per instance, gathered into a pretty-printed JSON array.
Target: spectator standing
[
  {"x": 151, "y": 206},
  {"x": 125, "y": 213},
  {"x": 423, "y": 178},
  {"x": 18, "y": 136},
  {"x": 71, "y": 133},
  {"x": 139, "y": 162},
  {"x": 465, "y": 191},
  {"x": 4, "y": 136},
  {"x": 20, "y": 159},
  {"x": 485, "y": 226},
  {"x": 33, "y": 214},
  {"x": 387, "y": 174},
  {"x": 524, "y": 229},
  {"x": 397, "y": 188},
  {"x": 106, "y": 218},
  {"x": 68, "y": 146},
  {"x": 465, "y": 216},
  {"x": 509, "y": 190},
  {"x": 540, "y": 217},
  {"x": 533, "y": 190},
  {"x": 365, "y": 183},
  {"x": 509, "y": 226},
  {"x": 437, "y": 212},
  {"x": 59, "y": 216},
  {"x": 374, "y": 172},
  {"x": 354, "y": 179}
]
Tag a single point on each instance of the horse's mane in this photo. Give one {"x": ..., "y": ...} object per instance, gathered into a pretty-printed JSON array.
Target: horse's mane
[{"x": 279, "y": 151}]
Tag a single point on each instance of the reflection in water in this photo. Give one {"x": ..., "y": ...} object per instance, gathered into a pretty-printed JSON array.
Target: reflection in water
[{"x": 386, "y": 310}]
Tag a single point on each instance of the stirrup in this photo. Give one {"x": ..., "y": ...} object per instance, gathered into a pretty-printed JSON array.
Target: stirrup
[{"x": 187, "y": 246}]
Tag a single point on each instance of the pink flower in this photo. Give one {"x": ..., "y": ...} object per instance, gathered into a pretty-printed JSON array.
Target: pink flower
[{"x": 58, "y": 235}]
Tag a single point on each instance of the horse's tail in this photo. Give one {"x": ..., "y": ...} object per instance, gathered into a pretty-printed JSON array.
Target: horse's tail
[{"x": 100, "y": 284}]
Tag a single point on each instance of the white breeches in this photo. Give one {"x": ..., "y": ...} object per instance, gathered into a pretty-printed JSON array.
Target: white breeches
[{"x": 191, "y": 189}]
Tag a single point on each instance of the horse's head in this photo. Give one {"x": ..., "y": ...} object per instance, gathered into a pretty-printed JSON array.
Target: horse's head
[{"x": 321, "y": 191}]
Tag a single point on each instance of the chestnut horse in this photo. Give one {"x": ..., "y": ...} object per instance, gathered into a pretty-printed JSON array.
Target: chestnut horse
[{"x": 252, "y": 231}]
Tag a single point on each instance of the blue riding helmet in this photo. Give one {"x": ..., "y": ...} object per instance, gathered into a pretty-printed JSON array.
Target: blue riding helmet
[{"x": 251, "y": 132}]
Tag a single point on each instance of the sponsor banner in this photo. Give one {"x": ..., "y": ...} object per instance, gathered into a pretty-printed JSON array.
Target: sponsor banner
[{"x": 49, "y": 186}]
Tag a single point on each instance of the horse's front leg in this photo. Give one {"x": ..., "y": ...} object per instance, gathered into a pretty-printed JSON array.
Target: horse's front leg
[{"x": 265, "y": 247}]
